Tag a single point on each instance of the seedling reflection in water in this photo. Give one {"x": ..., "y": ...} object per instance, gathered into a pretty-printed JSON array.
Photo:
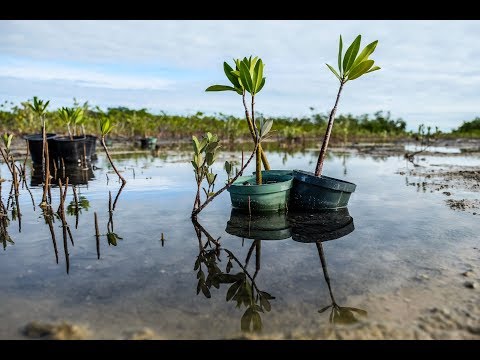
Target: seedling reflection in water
[
  {"x": 14, "y": 171},
  {"x": 338, "y": 314},
  {"x": 243, "y": 289},
  {"x": 40, "y": 109},
  {"x": 4, "y": 221}
]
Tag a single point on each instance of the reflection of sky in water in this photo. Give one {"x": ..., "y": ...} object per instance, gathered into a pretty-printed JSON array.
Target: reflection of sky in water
[{"x": 399, "y": 233}]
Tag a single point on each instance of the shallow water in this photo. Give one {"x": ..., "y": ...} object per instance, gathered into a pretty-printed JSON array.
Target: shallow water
[{"x": 399, "y": 233}]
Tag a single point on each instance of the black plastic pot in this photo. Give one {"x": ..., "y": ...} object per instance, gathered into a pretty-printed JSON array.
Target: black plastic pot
[
  {"x": 77, "y": 175},
  {"x": 35, "y": 146},
  {"x": 320, "y": 226},
  {"x": 310, "y": 192},
  {"x": 92, "y": 140},
  {"x": 266, "y": 226},
  {"x": 148, "y": 142},
  {"x": 73, "y": 151}
]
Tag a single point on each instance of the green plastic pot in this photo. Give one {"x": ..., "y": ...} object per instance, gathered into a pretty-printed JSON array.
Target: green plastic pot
[
  {"x": 247, "y": 196},
  {"x": 264, "y": 226},
  {"x": 314, "y": 193},
  {"x": 320, "y": 226}
]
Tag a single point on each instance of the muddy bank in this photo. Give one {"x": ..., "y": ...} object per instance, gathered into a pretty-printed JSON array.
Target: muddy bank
[{"x": 461, "y": 184}]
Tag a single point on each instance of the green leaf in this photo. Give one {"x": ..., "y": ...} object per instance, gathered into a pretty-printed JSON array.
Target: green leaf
[
  {"x": 229, "y": 266},
  {"x": 369, "y": 49},
  {"x": 229, "y": 73},
  {"x": 196, "y": 145},
  {"x": 252, "y": 63},
  {"x": 266, "y": 295},
  {"x": 265, "y": 129},
  {"x": 261, "y": 85},
  {"x": 246, "y": 319},
  {"x": 258, "y": 75},
  {"x": 209, "y": 159},
  {"x": 210, "y": 177},
  {"x": 360, "y": 69},
  {"x": 220, "y": 88},
  {"x": 375, "y": 68},
  {"x": 334, "y": 72},
  {"x": 199, "y": 285},
  {"x": 232, "y": 290},
  {"x": 205, "y": 291},
  {"x": 351, "y": 54},
  {"x": 257, "y": 321},
  {"x": 197, "y": 264},
  {"x": 340, "y": 48},
  {"x": 265, "y": 303},
  {"x": 245, "y": 77},
  {"x": 228, "y": 167}
]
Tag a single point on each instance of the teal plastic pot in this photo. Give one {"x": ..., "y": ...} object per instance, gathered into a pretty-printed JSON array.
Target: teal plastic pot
[
  {"x": 313, "y": 193},
  {"x": 263, "y": 226},
  {"x": 320, "y": 226},
  {"x": 272, "y": 195}
]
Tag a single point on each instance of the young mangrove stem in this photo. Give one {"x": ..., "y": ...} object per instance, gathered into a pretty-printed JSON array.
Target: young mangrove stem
[{"x": 326, "y": 139}]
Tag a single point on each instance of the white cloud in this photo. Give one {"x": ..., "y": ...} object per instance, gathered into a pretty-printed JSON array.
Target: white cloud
[
  {"x": 428, "y": 69},
  {"x": 81, "y": 77}
]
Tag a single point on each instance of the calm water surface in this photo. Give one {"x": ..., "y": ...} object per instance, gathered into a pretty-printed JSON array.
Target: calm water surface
[{"x": 398, "y": 232}]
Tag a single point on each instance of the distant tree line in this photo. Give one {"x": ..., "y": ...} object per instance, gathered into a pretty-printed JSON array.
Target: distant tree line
[{"x": 134, "y": 123}]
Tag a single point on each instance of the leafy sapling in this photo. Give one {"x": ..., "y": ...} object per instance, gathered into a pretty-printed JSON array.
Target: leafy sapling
[
  {"x": 248, "y": 77},
  {"x": 351, "y": 66}
]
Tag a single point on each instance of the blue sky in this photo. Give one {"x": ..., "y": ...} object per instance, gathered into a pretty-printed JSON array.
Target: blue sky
[{"x": 430, "y": 70}]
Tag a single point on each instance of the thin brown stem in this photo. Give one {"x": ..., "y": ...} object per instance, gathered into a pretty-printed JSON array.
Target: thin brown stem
[
  {"x": 251, "y": 127},
  {"x": 328, "y": 132},
  {"x": 110, "y": 159},
  {"x": 117, "y": 196}
]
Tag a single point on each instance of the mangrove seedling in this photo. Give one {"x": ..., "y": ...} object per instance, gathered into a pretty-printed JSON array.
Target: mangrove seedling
[
  {"x": 351, "y": 66},
  {"x": 425, "y": 137},
  {"x": 71, "y": 116},
  {"x": 248, "y": 77},
  {"x": 242, "y": 288},
  {"x": 105, "y": 128},
  {"x": 40, "y": 109},
  {"x": 205, "y": 154}
]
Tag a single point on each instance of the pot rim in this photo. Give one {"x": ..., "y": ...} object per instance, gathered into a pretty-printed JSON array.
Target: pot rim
[
  {"x": 76, "y": 138},
  {"x": 284, "y": 183},
  {"x": 323, "y": 181},
  {"x": 39, "y": 136}
]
